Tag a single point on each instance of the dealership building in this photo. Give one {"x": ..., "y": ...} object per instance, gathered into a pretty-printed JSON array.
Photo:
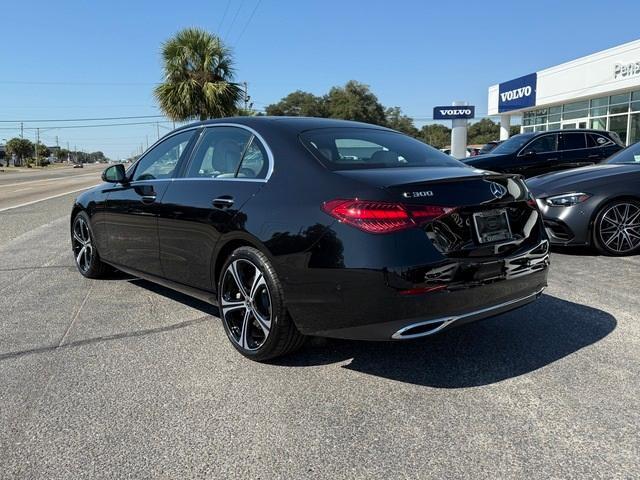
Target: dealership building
[{"x": 600, "y": 91}]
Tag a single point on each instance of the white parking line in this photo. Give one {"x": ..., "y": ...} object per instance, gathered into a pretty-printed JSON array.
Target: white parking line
[{"x": 47, "y": 198}]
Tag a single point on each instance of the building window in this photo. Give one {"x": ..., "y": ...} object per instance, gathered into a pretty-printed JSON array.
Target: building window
[
  {"x": 598, "y": 123},
  {"x": 634, "y": 131},
  {"x": 618, "y": 104},
  {"x": 599, "y": 106},
  {"x": 575, "y": 110},
  {"x": 618, "y": 124}
]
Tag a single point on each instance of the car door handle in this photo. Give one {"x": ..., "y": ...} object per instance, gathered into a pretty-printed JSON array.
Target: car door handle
[
  {"x": 147, "y": 199},
  {"x": 552, "y": 159},
  {"x": 224, "y": 201}
]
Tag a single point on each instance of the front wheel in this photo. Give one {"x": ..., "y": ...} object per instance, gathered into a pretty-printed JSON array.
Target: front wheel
[
  {"x": 252, "y": 307},
  {"x": 616, "y": 230},
  {"x": 85, "y": 253}
]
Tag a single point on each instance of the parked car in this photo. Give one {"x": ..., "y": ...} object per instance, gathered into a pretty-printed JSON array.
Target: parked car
[
  {"x": 300, "y": 226},
  {"x": 78, "y": 165},
  {"x": 535, "y": 153},
  {"x": 598, "y": 205},
  {"x": 489, "y": 146}
]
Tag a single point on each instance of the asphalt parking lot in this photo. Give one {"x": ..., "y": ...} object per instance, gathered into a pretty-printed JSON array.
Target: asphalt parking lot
[{"x": 123, "y": 379}]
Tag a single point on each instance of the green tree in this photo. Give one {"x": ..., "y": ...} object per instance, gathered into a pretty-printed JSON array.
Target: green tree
[
  {"x": 198, "y": 72},
  {"x": 483, "y": 131},
  {"x": 355, "y": 101},
  {"x": 299, "y": 104},
  {"x": 436, "y": 135},
  {"x": 20, "y": 147},
  {"x": 42, "y": 150},
  {"x": 400, "y": 122},
  {"x": 514, "y": 130}
]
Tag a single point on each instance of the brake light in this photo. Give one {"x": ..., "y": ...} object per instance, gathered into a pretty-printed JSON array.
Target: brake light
[{"x": 382, "y": 217}]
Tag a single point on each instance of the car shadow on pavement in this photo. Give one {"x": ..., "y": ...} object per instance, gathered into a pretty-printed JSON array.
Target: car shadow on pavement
[
  {"x": 475, "y": 354},
  {"x": 187, "y": 300},
  {"x": 577, "y": 251}
]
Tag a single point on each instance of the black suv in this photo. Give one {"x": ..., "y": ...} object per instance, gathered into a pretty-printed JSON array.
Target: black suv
[{"x": 535, "y": 153}]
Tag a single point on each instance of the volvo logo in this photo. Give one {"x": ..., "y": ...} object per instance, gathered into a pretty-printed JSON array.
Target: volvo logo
[
  {"x": 451, "y": 112},
  {"x": 516, "y": 93},
  {"x": 497, "y": 190}
]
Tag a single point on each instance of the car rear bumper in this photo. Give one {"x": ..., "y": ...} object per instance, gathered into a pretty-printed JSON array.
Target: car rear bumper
[{"x": 367, "y": 305}]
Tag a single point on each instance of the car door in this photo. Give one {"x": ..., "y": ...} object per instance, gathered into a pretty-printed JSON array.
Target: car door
[
  {"x": 228, "y": 166},
  {"x": 131, "y": 214},
  {"x": 574, "y": 151},
  {"x": 538, "y": 156}
]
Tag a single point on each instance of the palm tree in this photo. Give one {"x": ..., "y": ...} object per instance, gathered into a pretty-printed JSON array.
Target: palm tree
[{"x": 198, "y": 71}]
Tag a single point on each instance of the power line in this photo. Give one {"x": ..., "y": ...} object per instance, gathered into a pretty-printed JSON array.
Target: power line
[
  {"x": 28, "y": 82},
  {"x": 83, "y": 119},
  {"x": 224, "y": 16},
  {"x": 248, "y": 21},
  {"x": 58, "y": 127},
  {"x": 234, "y": 18}
]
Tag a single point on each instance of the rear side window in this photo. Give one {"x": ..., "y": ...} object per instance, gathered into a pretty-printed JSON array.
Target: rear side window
[
  {"x": 228, "y": 152},
  {"x": 362, "y": 148},
  {"x": 161, "y": 161},
  {"x": 595, "y": 140},
  {"x": 573, "y": 141}
]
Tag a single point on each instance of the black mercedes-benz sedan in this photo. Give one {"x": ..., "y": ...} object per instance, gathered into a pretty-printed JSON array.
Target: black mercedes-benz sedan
[
  {"x": 302, "y": 226},
  {"x": 597, "y": 205},
  {"x": 536, "y": 153}
]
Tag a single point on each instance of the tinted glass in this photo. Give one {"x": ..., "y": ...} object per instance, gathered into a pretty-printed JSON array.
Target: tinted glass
[
  {"x": 546, "y": 143},
  {"x": 512, "y": 144},
  {"x": 161, "y": 160},
  {"x": 254, "y": 161},
  {"x": 573, "y": 141},
  {"x": 619, "y": 125},
  {"x": 219, "y": 152},
  {"x": 594, "y": 140},
  {"x": 361, "y": 148},
  {"x": 628, "y": 155}
]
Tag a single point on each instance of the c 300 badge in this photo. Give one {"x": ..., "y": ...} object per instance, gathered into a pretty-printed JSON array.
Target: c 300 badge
[{"x": 424, "y": 193}]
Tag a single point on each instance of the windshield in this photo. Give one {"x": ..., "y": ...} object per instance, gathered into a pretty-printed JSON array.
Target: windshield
[
  {"x": 361, "y": 148},
  {"x": 631, "y": 154},
  {"x": 512, "y": 144}
]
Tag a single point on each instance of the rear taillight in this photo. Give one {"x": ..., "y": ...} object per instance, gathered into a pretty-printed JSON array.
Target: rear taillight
[{"x": 382, "y": 217}]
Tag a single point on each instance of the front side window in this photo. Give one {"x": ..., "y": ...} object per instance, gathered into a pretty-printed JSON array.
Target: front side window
[
  {"x": 228, "y": 152},
  {"x": 161, "y": 161},
  {"x": 545, "y": 143},
  {"x": 362, "y": 148},
  {"x": 573, "y": 141}
]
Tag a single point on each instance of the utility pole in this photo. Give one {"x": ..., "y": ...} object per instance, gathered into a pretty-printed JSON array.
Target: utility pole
[
  {"x": 75, "y": 154},
  {"x": 246, "y": 96},
  {"x": 158, "y": 130},
  {"x": 37, "y": 142},
  {"x": 68, "y": 153},
  {"x": 21, "y": 130},
  {"x": 147, "y": 140}
]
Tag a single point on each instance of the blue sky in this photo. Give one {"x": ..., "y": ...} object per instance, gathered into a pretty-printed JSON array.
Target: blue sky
[{"x": 85, "y": 59}]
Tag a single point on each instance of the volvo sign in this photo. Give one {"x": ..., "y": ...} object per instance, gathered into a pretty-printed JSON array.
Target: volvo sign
[
  {"x": 517, "y": 93},
  {"x": 449, "y": 112}
]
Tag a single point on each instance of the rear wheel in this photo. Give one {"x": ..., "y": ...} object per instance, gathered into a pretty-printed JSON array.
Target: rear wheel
[
  {"x": 252, "y": 307},
  {"x": 616, "y": 230},
  {"x": 85, "y": 253}
]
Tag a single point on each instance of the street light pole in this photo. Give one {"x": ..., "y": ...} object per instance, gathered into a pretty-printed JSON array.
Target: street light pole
[{"x": 37, "y": 142}]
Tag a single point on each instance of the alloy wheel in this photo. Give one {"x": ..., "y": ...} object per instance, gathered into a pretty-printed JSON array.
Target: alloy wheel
[
  {"x": 246, "y": 304},
  {"x": 619, "y": 228},
  {"x": 82, "y": 246}
]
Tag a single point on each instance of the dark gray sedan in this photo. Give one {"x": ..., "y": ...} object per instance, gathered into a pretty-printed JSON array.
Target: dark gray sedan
[{"x": 597, "y": 205}]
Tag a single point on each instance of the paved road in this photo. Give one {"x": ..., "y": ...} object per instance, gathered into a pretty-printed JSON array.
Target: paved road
[
  {"x": 17, "y": 189},
  {"x": 122, "y": 379}
]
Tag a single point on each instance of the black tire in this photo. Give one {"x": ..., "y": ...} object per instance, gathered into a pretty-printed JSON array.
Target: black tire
[
  {"x": 602, "y": 227},
  {"x": 245, "y": 332},
  {"x": 82, "y": 241}
]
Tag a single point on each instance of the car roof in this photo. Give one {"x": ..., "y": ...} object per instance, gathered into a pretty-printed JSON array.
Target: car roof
[
  {"x": 295, "y": 124},
  {"x": 571, "y": 130}
]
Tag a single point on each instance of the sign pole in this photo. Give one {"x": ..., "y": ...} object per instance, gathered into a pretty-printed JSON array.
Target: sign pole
[{"x": 459, "y": 133}]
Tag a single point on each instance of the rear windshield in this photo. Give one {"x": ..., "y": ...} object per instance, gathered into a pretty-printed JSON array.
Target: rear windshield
[
  {"x": 361, "y": 148},
  {"x": 512, "y": 144}
]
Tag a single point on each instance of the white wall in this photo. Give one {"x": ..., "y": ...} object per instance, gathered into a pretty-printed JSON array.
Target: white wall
[{"x": 584, "y": 77}]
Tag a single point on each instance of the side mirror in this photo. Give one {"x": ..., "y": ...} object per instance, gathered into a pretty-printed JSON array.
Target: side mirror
[
  {"x": 114, "y": 174},
  {"x": 529, "y": 153}
]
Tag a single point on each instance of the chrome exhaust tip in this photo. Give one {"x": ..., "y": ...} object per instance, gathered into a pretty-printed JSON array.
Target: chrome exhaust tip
[{"x": 422, "y": 329}]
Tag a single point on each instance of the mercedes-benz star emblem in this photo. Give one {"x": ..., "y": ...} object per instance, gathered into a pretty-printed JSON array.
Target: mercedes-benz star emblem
[{"x": 497, "y": 190}]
